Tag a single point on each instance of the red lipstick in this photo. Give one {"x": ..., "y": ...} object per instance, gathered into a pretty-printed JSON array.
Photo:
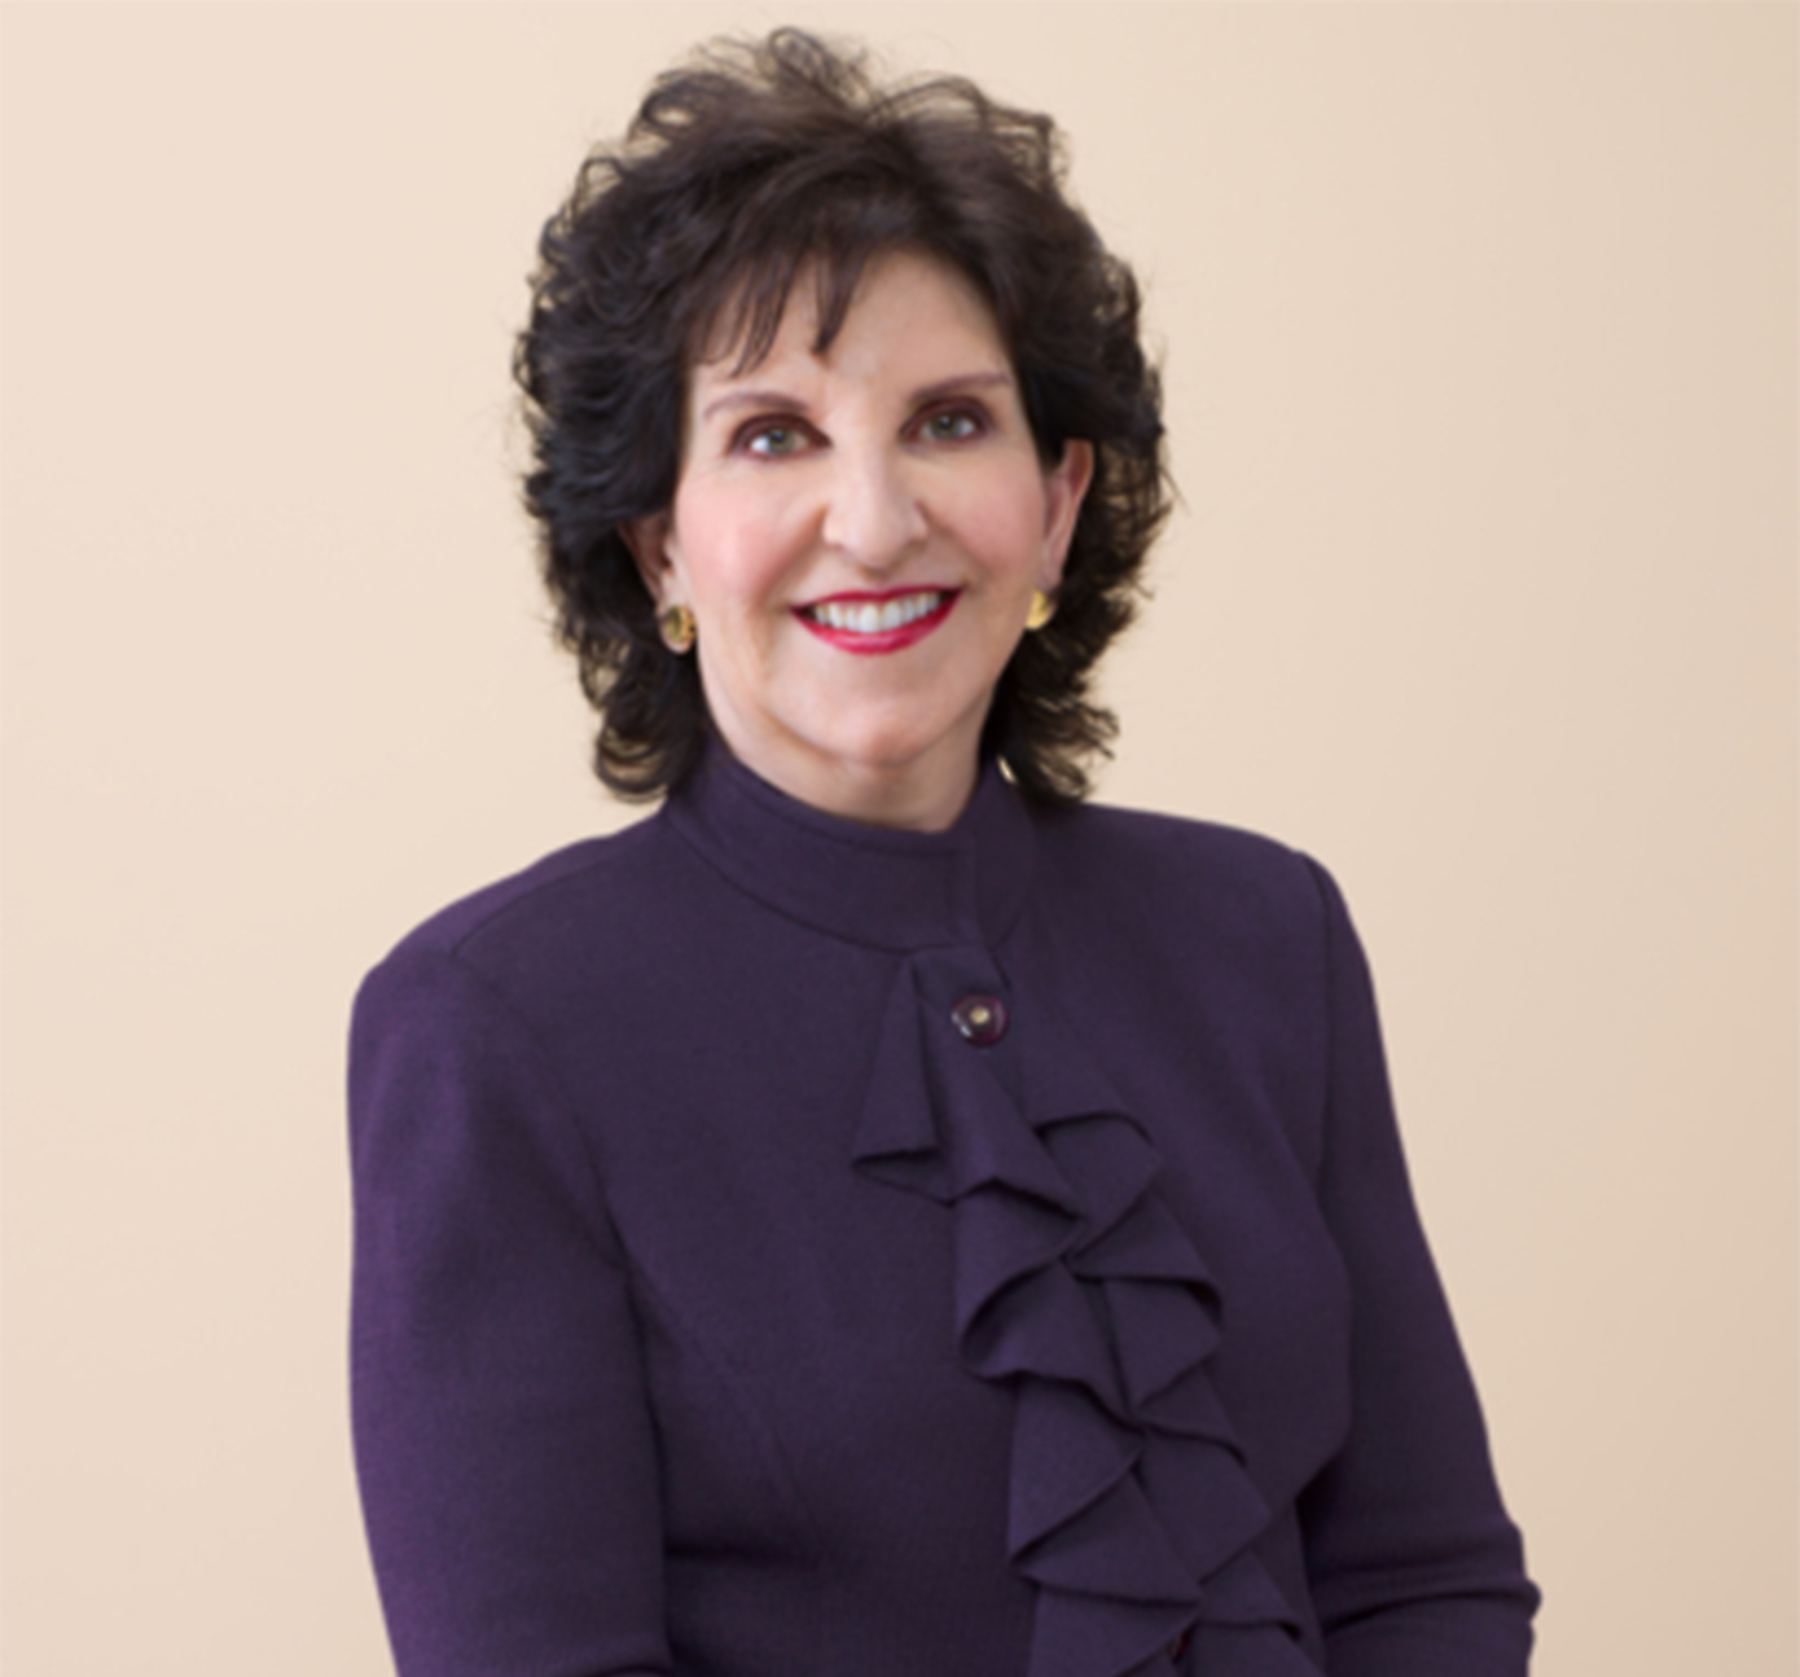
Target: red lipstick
[{"x": 839, "y": 618}]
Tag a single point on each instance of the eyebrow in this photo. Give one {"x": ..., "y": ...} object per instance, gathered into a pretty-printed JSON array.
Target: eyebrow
[{"x": 733, "y": 401}]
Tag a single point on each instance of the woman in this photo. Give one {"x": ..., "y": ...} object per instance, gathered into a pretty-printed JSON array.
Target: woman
[{"x": 880, "y": 1215}]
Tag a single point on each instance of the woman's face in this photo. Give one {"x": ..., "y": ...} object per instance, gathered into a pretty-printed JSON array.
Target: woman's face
[{"x": 858, "y": 535}]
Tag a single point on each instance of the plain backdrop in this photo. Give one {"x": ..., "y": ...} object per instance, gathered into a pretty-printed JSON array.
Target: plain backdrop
[{"x": 1479, "y": 328}]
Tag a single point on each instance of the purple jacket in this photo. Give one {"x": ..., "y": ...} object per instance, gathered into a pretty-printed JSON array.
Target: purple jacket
[{"x": 786, "y": 1248}]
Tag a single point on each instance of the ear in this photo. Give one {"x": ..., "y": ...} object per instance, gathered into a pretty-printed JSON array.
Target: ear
[
  {"x": 648, "y": 541},
  {"x": 1065, "y": 484}
]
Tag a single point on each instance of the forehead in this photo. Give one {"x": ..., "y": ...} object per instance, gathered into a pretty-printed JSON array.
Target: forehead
[{"x": 907, "y": 310}]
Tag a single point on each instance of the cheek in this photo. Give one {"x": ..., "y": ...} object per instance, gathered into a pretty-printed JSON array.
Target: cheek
[
  {"x": 1003, "y": 527},
  {"x": 732, "y": 555}
]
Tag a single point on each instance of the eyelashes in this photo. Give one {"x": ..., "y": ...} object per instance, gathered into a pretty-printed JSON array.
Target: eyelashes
[
  {"x": 954, "y": 425},
  {"x": 771, "y": 439},
  {"x": 781, "y": 436}
]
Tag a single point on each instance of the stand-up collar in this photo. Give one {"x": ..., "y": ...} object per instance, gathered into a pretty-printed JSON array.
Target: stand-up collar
[{"x": 868, "y": 885}]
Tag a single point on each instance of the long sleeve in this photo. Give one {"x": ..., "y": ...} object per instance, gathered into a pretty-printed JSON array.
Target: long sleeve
[
  {"x": 655, "y": 1372},
  {"x": 503, "y": 1440},
  {"x": 1415, "y": 1569}
]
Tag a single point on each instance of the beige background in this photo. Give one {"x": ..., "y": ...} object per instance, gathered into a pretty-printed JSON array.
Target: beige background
[{"x": 1480, "y": 337}]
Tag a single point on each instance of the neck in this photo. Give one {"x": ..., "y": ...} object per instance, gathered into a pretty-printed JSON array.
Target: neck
[{"x": 921, "y": 795}]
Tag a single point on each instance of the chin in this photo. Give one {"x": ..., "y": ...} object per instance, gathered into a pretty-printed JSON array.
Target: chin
[{"x": 892, "y": 746}]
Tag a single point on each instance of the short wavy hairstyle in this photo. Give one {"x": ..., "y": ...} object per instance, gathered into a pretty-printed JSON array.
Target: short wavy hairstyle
[{"x": 753, "y": 164}]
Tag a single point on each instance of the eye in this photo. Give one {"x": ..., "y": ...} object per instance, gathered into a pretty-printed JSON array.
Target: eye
[
  {"x": 952, "y": 425},
  {"x": 771, "y": 438}
]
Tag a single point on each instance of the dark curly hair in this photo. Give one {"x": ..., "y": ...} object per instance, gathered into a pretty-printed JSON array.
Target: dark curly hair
[{"x": 752, "y": 163}]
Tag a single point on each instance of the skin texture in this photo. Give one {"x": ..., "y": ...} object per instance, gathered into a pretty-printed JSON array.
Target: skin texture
[{"x": 898, "y": 464}]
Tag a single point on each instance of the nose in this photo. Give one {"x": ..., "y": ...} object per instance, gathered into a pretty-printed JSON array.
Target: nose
[{"x": 874, "y": 515}]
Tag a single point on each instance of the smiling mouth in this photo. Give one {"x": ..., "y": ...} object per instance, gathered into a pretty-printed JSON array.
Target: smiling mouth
[
  {"x": 885, "y": 623},
  {"x": 875, "y": 617}
]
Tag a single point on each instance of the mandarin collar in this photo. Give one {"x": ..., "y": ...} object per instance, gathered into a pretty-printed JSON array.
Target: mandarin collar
[{"x": 868, "y": 885}]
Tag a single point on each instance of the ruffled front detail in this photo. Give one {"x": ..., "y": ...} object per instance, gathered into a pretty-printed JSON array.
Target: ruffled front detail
[{"x": 1131, "y": 1508}]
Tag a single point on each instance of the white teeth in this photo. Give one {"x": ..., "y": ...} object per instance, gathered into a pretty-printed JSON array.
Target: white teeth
[{"x": 871, "y": 618}]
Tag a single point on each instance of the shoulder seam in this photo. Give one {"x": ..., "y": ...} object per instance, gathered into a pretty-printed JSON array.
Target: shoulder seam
[{"x": 522, "y": 895}]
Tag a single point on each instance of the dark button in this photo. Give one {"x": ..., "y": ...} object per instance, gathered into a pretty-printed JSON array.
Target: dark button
[{"x": 981, "y": 1019}]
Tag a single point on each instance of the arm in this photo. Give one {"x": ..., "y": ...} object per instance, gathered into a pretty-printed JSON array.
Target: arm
[
  {"x": 1416, "y": 1570},
  {"x": 503, "y": 1441}
]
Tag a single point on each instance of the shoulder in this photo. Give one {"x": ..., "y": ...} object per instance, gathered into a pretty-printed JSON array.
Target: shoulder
[
  {"x": 581, "y": 886},
  {"x": 1174, "y": 871},
  {"x": 1148, "y": 836},
  {"x": 552, "y": 938}
]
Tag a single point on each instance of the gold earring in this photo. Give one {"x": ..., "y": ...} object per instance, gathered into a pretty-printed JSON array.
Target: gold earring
[
  {"x": 1043, "y": 608},
  {"x": 678, "y": 629}
]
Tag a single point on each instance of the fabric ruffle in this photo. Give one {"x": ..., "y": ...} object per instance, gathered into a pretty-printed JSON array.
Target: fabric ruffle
[{"x": 1131, "y": 1508}]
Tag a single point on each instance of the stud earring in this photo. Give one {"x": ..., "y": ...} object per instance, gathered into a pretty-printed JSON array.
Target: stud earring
[
  {"x": 678, "y": 629},
  {"x": 1043, "y": 608}
]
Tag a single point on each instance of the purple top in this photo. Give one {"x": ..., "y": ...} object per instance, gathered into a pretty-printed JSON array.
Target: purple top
[{"x": 787, "y": 1248}]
